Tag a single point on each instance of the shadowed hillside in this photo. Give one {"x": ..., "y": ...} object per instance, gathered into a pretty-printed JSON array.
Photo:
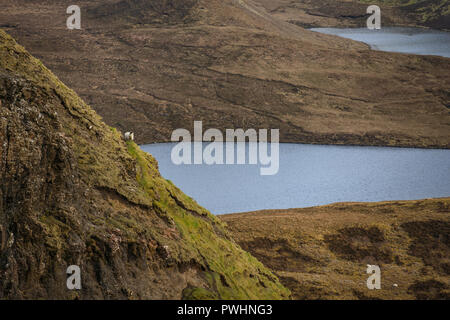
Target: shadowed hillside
[
  {"x": 73, "y": 192},
  {"x": 352, "y": 13}
]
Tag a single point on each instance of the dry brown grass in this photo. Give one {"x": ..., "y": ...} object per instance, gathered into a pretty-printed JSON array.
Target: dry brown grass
[
  {"x": 235, "y": 64},
  {"x": 323, "y": 252}
]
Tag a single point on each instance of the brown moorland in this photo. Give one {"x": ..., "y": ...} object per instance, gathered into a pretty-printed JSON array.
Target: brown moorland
[
  {"x": 323, "y": 252},
  {"x": 154, "y": 66}
]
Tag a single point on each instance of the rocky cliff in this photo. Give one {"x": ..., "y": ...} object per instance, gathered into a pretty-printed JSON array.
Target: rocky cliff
[{"x": 73, "y": 192}]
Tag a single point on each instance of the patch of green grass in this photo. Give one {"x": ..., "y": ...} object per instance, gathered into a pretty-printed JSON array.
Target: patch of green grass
[
  {"x": 230, "y": 267},
  {"x": 198, "y": 294},
  {"x": 56, "y": 232}
]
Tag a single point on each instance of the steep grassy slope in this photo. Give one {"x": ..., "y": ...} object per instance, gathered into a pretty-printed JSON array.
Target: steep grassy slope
[
  {"x": 155, "y": 66},
  {"x": 323, "y": 252},
  {"x": 73, "y": 192}
]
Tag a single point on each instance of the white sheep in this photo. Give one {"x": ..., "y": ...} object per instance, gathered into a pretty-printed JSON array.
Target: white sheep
[{"x": 129, "y": 136}]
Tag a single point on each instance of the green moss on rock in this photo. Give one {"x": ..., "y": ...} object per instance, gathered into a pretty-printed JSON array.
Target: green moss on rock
[{"x": 101, "y": 203}]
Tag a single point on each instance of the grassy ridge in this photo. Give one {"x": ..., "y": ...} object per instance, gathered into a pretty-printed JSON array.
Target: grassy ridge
[
  {"x": 199, "y": 228},
  {"x": 134, "y": 208}
]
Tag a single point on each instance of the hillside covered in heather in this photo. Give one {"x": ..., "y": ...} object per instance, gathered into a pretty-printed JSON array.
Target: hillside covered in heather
[{"x": 155, "y": 66}]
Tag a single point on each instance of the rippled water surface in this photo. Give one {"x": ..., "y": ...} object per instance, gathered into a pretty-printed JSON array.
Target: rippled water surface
[
  {"x": 397, "y": 39},
  {"x": 312, "y": 175}
]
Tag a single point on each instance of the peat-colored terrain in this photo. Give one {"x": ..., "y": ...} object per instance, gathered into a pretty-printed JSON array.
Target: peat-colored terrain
[
  {"x": 154, "y": 66},
  {"x": 323, "y": 252},
  {"x": 352, "y": 13}
]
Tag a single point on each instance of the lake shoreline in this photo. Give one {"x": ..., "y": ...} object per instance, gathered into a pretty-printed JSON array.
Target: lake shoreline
[
  {"x": 432, "y": 147},
  {"x": 404, "y": 40},
  {"x": 333, "y": 204}
]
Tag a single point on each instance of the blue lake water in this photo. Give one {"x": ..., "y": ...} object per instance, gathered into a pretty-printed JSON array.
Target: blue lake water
[
  {"x": 312, "y": 175},
  {"x": 398, "y": 39}
]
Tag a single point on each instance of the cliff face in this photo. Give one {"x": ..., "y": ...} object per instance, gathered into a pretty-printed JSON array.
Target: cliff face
[{"x": 72, "y": 192}]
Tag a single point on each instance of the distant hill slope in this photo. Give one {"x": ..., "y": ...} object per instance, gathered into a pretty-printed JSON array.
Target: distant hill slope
[
  {"x": 428, "y": 13},
  {"x": 323, "y": 252},
  {"x": 73, "y": 192},
  {"x": 352, "y": 13},
  {"x": 147, "y": 12},
  {"x": 155, "y": 66}
]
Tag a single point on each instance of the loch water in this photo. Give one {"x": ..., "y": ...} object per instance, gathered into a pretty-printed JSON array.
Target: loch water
[
  {"x": 398, "y": 39},
  {"x": 311, "y": 175}
]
